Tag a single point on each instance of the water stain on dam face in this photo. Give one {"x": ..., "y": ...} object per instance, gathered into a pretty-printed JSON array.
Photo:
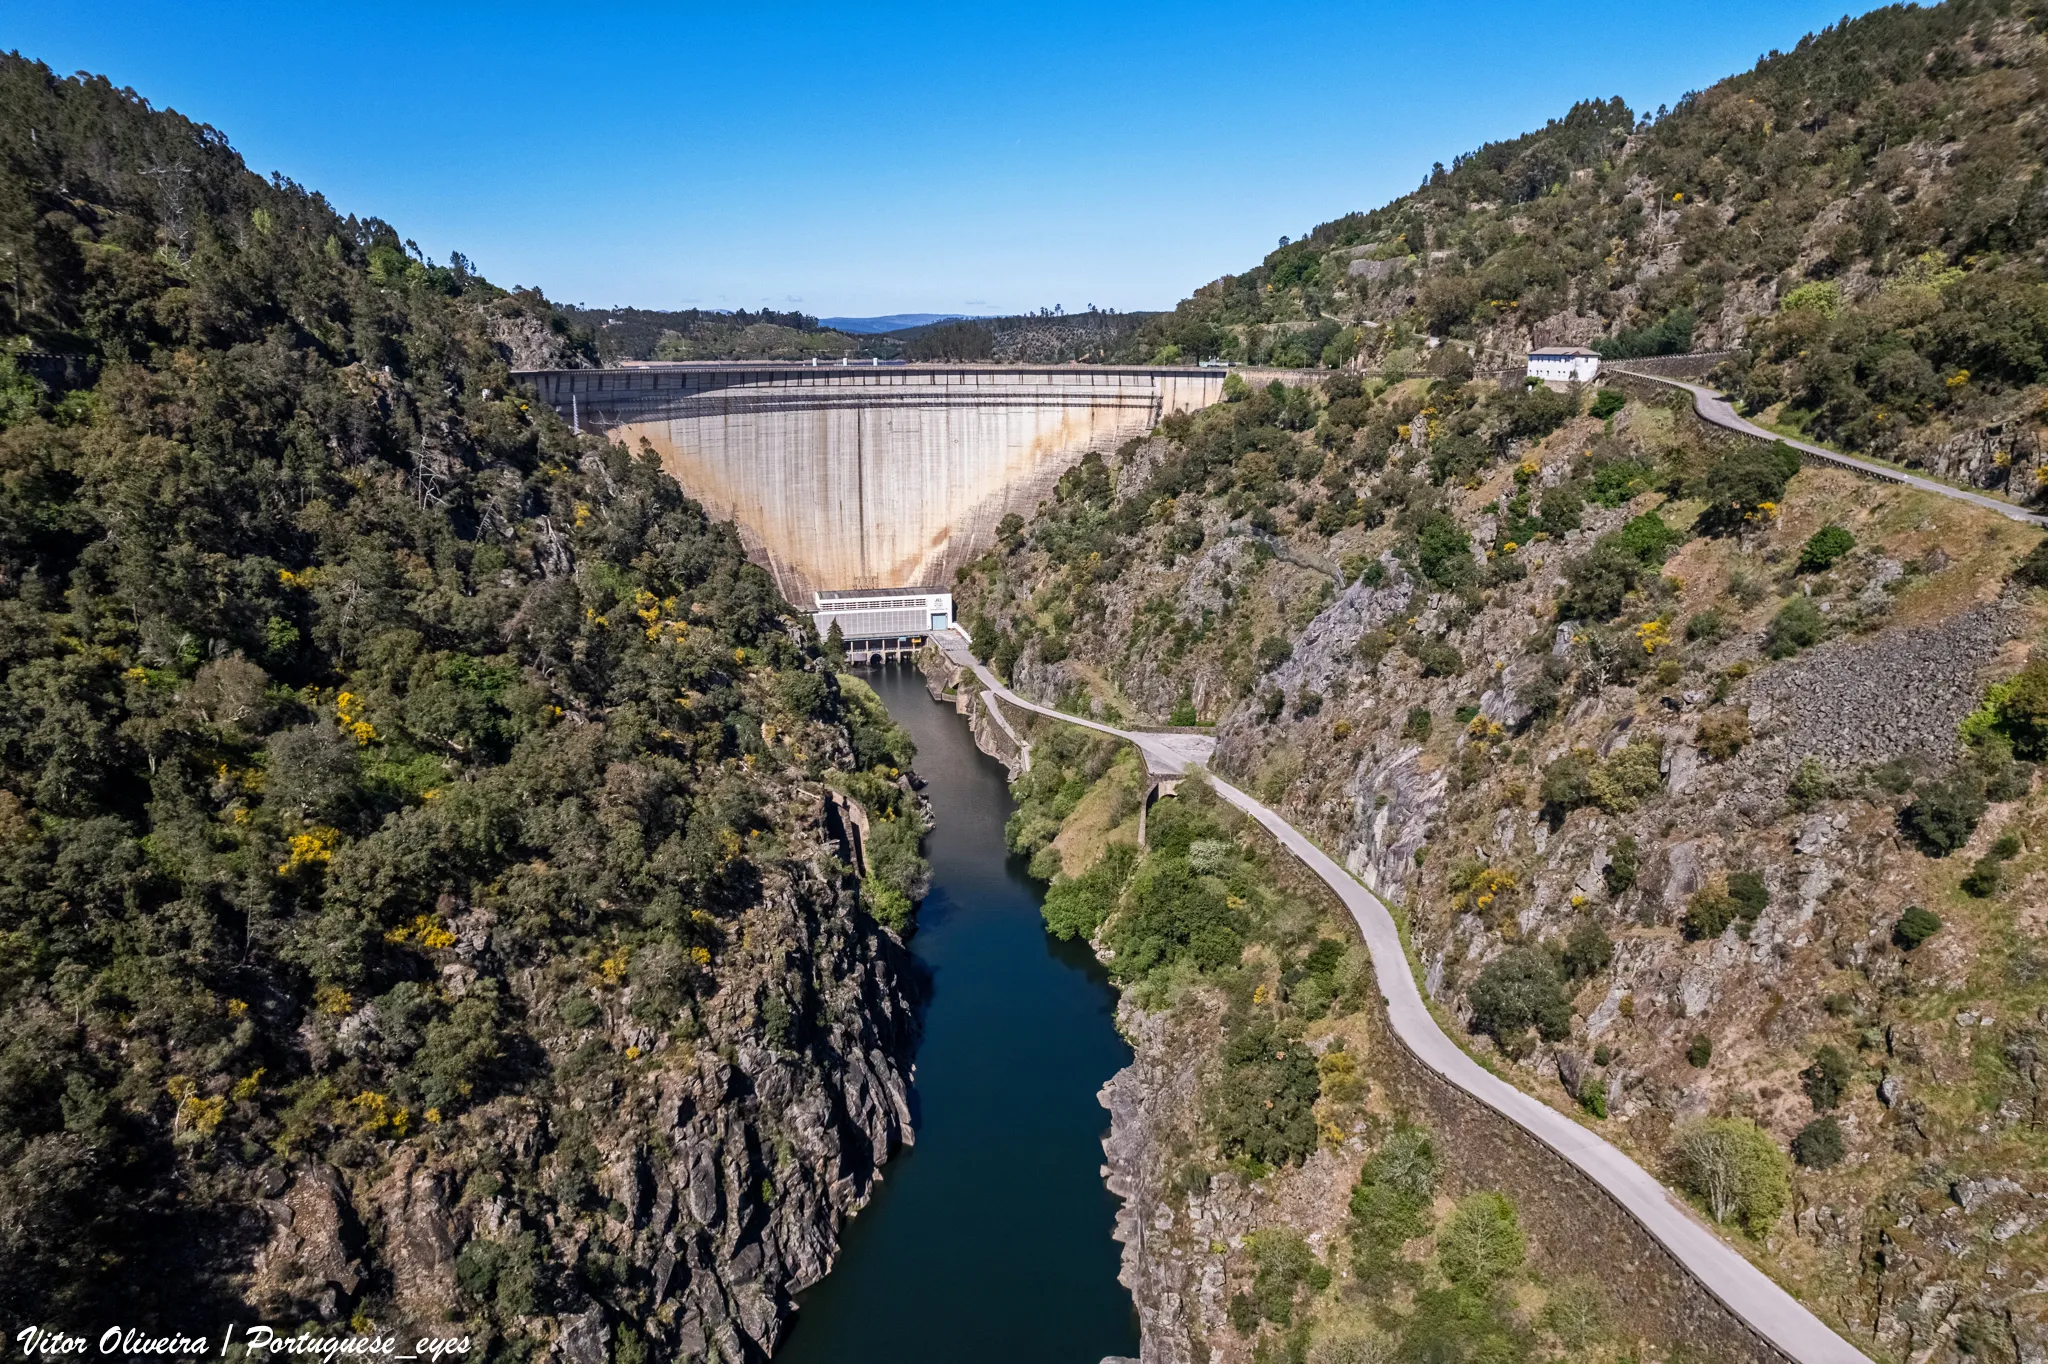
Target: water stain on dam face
[{"x": 880, "y": 477}]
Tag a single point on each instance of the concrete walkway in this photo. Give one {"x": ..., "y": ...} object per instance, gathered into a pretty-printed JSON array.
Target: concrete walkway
[
  {"x": 1714, "y": 408},
  {"x": 1750, "y": 1294}
]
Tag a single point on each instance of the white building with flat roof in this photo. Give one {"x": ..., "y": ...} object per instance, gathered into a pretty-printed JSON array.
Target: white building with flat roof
[
  {"x": 880, "y": 622},
  {"x": 1564, "y": 364}
]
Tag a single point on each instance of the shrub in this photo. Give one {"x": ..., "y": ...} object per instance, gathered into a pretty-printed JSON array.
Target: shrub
[
  {"x": 1944, "y": 814},
  {"x": 1706, "y": 627},
  {"x": 1617, "y": 481},
  {"x": 1723, "y": 732},
  {"x": 1481, "y": 1241},
  {"x": 1443, "y": 551},
  {"x": 1076, "y": 906},
  {"x": 1914, "y": 927},
  {"x": 1743, "y": 486},
  {"x": 1798, "y": 625},
  {"x": 1417, "y": 727},
  {"x": 2014, "y": 714},
  {"x": 1982, "y": 880},
  {"x": 1263, "y": 1106},
  {"x": 1567, "y": 784},
  {"x": 1281, "y": 1264},
  {"x": 1438, "y": 658},
  {"x": 1516, "y": 991},
  {"x": 1598, "y": 582},
  {"x": 1607, "y": 402},
  {"x": 1749, "y": 894},
  {"x": 1629, "y": 776},
  {"x": 1560, "y": 510},
  {"x": 2033, "y": 570},
  {"x": 1819, "y": 1145},
  {"x": 1647, "y": 539},
  {"x": 1587, "y": 951},
  {"x": 1390, "y": 1202},
  {"x": 1825, "y": 1080},
  {"x": 1699, "y": 1051},
  {"x": 1737, "y": 1171},
  {"x": 1742, "y": 900},
  {"x": 1624, "y": 862},
  {"x": 1811, "y": 784},
  {"x": 1823, "y": 547}
]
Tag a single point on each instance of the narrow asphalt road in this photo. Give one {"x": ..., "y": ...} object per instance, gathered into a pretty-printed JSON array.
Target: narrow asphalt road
[
  {"x": 1716, "y": 409},
  {"x": 1747, "y": 1291}
]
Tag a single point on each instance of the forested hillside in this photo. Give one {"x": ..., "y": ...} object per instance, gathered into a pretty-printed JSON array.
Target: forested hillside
[
  {"x": 420, "y": 882},
  {"x": 1860, "y": 218}
]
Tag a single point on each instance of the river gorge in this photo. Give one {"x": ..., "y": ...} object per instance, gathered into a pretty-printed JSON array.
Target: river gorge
[{"x": 990, "y": 1239}]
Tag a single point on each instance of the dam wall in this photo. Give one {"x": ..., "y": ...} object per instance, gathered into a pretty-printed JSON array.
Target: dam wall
[{"x": 871, "y": 476}]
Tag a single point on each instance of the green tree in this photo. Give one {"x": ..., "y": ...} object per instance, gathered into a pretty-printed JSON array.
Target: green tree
[
  {"x": 1480, "y": 1243},
  {"x": 1915, "y": 927},
  {"x": 1737, "y": 1171},
  {"x": 1825, "y": 1080},
  {"x": 1516, "y": 991},
  {"x": 1390, "y": 1202},
  {"x": 1798, "y": 625},
  {"x": 1744, "y": 485}
]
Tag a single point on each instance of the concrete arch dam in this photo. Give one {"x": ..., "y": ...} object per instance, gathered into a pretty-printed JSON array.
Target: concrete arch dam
[{"x": 870, "y": 476}]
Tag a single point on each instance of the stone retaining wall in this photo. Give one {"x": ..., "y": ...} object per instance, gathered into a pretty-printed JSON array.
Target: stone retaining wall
[{"x": 1573, "y": 1226}]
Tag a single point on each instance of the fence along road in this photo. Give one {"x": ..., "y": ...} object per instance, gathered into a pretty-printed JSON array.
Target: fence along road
[
  {"x": 1716, "y": 409},
  {"x": 1744, "y": 1289}
]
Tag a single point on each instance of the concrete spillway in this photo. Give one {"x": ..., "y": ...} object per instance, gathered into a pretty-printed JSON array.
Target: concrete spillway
[{"x": 870, "y": 476}]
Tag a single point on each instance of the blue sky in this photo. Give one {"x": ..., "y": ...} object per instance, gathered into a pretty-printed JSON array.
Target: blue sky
[{"x": 873, "y": 158}]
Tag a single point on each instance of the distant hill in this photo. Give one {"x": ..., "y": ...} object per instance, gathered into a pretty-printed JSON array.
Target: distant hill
[
  {"x": 704, "y": 334},
  {"x": 893, "y": 322},
  {"x": 1041, "y": 338}
]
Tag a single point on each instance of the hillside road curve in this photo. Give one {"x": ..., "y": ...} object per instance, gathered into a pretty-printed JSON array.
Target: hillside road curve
[
  {"x": 1744, "y": 1289},
  {"x": 1718, "y": 411}
]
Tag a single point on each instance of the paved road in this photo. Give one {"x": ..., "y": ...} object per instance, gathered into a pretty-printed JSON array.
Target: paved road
[
  {"x": 1748, "y": 1292},
  {"x": 1714, "y": 408}
]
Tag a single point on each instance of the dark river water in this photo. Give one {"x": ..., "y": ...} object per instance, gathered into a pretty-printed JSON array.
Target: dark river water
[{"x": 989, "y": 1242}]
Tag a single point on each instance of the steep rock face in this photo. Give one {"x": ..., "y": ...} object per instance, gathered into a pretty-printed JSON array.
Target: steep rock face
[
  {"x": 1175, "y": 1239},
  {"x": 707, "y": 1180},
  {"x": 1412, "y": 728}
]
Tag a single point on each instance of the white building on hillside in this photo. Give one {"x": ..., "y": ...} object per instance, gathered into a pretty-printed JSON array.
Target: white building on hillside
[
  {"x": 1564, "y": 364},
  {"x": 883, "y": 622}
]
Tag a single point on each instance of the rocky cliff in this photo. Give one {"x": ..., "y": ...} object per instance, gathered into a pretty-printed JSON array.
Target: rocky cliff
[
  {"x": 674, "y": 1187},
  {"x": 1687, "y": 781}
]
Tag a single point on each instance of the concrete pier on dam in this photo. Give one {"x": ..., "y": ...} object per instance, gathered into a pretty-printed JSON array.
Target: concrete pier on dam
[{"x": 864, "y": 476}]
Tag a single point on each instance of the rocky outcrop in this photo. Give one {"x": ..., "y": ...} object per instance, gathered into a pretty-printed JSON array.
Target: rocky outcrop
[{"x": 701, "y": 1169}]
